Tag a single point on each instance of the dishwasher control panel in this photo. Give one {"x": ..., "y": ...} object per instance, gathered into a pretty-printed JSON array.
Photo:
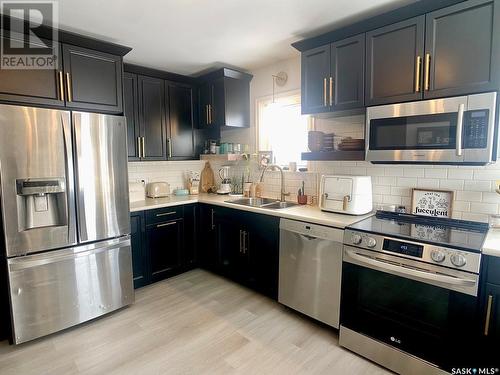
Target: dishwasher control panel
[{"x": 312, "y": 230}]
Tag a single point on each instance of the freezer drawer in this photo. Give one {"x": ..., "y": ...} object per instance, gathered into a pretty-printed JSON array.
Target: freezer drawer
[
  {"x": 59, "y": 289},
  {"x": 310, "y": 269}
]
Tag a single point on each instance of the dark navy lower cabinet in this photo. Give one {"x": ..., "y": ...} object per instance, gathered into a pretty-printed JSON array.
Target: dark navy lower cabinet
[
  {"x": 140, "y": 258},
  {"x": 164, "y": 243},
  {"x": 490, "y": 312},
  {"x": 241, "y": 246}
]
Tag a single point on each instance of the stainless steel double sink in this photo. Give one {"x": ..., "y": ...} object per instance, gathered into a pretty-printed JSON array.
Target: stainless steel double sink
[{"x": 269, "y": 203}]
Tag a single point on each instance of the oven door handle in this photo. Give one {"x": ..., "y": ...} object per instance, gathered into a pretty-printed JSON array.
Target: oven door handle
[{"x": 382, "y": 265}]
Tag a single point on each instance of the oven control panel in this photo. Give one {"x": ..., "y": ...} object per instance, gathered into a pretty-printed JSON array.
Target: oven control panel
[{"x": 438, "y": 255}]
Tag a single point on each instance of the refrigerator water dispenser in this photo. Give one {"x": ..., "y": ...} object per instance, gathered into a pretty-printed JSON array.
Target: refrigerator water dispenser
[{"x": 41, "y": 202}]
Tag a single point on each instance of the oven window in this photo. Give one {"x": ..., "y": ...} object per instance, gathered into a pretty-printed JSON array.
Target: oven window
[
  {"x": 412, "y": 316},
  {"x": 404, "y": 300},
  {"x": 414, "y": 132}
]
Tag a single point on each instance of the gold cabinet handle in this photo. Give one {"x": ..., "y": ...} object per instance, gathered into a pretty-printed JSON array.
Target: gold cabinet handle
[
  {"x": 139, "y": 147},
  {"x": 210, "y": 113},
  {"x": 331, "y": 91},
  {"x": 324, "y": 92},
  {"x": 143, "y": 144},
  {"x": 61, "y": 84},
  {"x": 488, "y": 315},
  {"x": 417, "y": 74},
  {"x": 166, "y": 213},
  {"x": 212, "y": 219},
  {"x": 169, "y": 144},
  {"x": 427, "y": 71},
  {"x": 68, "y": 87},
  {"x": 206, "y": 114},
  {"x": 166, "y": 224},
  {"x": 241, "y": 241}
]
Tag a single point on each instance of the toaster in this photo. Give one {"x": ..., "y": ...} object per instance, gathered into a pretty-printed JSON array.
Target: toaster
[
  {"x": 158, "y": 190},
  {"x": 346, "y": 194}
]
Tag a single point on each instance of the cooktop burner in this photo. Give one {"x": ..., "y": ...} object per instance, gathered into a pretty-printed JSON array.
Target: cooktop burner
[{"x": 460, "y": 234}]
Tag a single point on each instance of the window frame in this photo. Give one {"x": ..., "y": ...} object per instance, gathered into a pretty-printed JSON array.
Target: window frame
[{"x": 295, "y": 98}]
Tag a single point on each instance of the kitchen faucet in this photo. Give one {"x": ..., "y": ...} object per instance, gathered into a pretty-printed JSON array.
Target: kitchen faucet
[{"x": 282, "y": 187}]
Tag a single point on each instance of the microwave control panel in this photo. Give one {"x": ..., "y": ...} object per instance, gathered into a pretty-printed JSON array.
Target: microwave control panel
[{"x": 476, "y": 129}]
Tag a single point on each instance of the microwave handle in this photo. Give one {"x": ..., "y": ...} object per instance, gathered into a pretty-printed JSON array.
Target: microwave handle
[
  {"x": 379, "y": 264},
  {"x": 460, "y": 126}
]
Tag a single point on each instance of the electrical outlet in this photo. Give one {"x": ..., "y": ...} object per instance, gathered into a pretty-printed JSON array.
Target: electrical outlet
[{"x": 497, "y": 186}]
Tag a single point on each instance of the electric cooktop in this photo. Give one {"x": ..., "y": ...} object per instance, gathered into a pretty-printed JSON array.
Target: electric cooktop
[{"x": 460, "y": 234}]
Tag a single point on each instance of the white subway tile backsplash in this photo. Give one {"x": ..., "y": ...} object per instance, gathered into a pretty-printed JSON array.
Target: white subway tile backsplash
[
  {"x": 406, "y": 182},
  {"x": 486, "y": 174},
  {"x": 390, "y": 181},
  {"x": 461, "y": 206},
  {"x": 491, "y": 197},
  {"x": 473, "y": 185},
  {"x": 460, "y": 173},
  {"x": 470, "y": 196},
  {"x": 436, "y": 173},
  {"x": 474, "y": 217},
  {"x": 451, "y": 184},
  {"x": 413, "y": 172},
  {"x": 395, "y": 171},
  {"x": 400, "y": 191},
  {"x": 475, "y": 198},
  {"x": 428, "y": 183},
  {"x": 484, "y": 208}
]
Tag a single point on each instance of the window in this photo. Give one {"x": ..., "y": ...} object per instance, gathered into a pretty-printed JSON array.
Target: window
[{"x": 282, "y": 129}]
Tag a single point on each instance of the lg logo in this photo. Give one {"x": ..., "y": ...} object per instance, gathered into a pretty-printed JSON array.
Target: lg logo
[{"x": 395, "y": 340}]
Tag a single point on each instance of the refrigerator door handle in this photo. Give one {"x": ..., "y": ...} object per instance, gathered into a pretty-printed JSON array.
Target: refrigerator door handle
[
  {"x": 80, "y": 189},
  {"x": 70, "y": 190}
]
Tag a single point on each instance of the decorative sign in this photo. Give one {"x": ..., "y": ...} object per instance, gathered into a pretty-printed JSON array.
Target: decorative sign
[{"x": 435, "y": 203}]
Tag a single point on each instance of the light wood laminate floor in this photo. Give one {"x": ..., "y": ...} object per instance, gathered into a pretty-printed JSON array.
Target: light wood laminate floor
[{"x": 195, "y": 323}]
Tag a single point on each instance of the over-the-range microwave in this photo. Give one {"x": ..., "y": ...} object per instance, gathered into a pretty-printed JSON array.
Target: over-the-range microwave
[{"x": 456, "y": 130}]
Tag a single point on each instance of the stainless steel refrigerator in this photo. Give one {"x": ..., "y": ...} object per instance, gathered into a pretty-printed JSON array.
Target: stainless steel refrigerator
[{"x": 65, "y": 217}]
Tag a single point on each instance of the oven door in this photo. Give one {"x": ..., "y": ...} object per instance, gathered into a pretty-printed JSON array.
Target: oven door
[{"x": 418, "y": 311}]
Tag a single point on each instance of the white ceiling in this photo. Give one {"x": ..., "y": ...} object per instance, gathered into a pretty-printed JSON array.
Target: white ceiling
[{"x": 189, "y": 36}]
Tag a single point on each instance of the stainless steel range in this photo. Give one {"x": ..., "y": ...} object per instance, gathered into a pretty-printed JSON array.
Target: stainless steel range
[
  {"x": 65, "y": 217},
  {"x": 409, "y": 291}
]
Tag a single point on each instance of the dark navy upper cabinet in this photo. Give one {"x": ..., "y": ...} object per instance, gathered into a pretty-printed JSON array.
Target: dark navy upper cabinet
[
  {"x": 131, "y": 111},
  {"x": 461, "y": 49},
  {"x": 36, "y": 86},
  {"x": 180, "y": 119},
  {"x": 93, "y": 79},
  {"x": 151, "y": 93},
  {"x": 315, "y": 70},
  {"x": 394, "y": 60},
  {"x": 333, "y": 76},
  {"x": 347, "y": 87},
  {"x": 224, "y": 99}
]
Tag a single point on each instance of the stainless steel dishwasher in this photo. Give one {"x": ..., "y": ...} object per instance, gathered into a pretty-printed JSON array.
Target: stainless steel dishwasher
[{"x": 310, "y": 269}]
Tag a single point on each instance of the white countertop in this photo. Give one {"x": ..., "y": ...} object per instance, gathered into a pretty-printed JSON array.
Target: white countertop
[
  {"x": 310, "y": 214},
  {"x": 491, "y": 244},
  {"x": 150, "y": 203}
]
